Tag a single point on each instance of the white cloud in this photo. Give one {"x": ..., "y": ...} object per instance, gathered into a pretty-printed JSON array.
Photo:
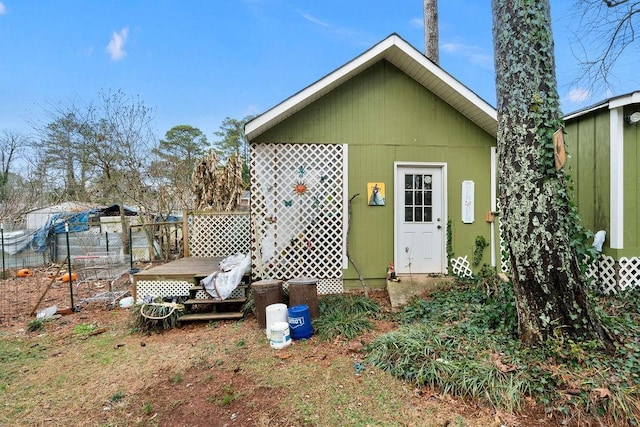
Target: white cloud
[
  {"x": 417, "y": 23},
  {"x": 313, "y": 19},
  {"x": 473, "y": 54},
  {"x": 115, "y": 48},
  {"x": 578, "y": 95},
  {"x": 3, "y": 9}
]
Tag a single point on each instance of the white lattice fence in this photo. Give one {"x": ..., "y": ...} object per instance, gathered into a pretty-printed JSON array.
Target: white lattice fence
[
  {"x": 607, "y": 275},
  {"x": 629, "y": 273},
  {"x": 297, "y": 208},
  {"x": 460, "y": 267},
  {"x": 219, "y": 234}
]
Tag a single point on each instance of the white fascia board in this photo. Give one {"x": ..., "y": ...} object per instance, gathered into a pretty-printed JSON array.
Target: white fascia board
[
  {"x": 616, "y": 189},
  {"x": 632, "y": 98},
  {"x": 585, "y": 111}
]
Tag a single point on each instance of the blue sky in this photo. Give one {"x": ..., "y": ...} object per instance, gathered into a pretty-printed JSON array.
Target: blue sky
[{"x": 197, "y": 62}]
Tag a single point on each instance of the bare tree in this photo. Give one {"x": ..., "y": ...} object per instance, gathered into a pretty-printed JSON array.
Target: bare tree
[
  {"x": 431, "y": 30},
  {"x": 119, "y": 137},
  {"x": 14, "y": 193},
  {"x": 12, "y": 145},
  {"x": 100, "y": 151},
  {"x": 539, "y": 224},
  {"x": 607, "y": 29}
]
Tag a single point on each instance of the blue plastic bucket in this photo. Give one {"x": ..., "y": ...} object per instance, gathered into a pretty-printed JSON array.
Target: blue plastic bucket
[{"x": 300, "y": 322}]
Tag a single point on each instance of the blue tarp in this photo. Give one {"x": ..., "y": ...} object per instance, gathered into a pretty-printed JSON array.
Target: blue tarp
[{"x": 78, "y": 221}]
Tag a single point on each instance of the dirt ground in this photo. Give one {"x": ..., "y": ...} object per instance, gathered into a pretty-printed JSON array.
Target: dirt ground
[{"x": 201, "y": 374}]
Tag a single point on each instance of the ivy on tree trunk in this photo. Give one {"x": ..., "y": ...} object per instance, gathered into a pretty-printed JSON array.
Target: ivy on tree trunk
[{"x": 538, "y": 223}]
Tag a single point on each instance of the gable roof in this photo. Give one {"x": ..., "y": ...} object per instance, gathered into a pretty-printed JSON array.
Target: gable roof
[
  {"x": 405, "y": 57},
  {"x": 610, "y": 103}
]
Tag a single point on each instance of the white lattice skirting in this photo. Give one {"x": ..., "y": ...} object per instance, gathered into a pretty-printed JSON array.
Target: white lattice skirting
[
  {"x": 610, "y": 276},
  {"x": 172, "y": 288}
]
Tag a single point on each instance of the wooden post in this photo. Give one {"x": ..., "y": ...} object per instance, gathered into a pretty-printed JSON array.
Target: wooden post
[{"x": 185, "y": 234}]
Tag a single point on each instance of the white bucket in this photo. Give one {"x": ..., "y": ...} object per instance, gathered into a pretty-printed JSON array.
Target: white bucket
[
  {"x": 280, "y": 336},
  {"x": 126, "y": 302},
  {"x": 275, "y": 313}
]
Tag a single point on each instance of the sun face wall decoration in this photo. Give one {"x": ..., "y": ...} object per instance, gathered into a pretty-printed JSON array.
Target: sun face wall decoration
[{"x": 300, "y": 188}]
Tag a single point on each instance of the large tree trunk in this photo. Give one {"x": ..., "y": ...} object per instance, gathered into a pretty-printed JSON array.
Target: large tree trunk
[
  {"x": 551, "y": 295},
  {"x": 431, "y": 30}
]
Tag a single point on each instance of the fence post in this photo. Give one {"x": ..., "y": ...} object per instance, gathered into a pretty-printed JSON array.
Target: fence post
[
  {"x": 66, "y": 230},
  {"x": 2, "y": 234},
  {"x": 130, "y": 249}
]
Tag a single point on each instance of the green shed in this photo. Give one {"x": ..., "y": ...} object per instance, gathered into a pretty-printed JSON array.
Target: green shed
[
  {"x": 604, "y": 146},
  {"x": 387, "y": 159}
]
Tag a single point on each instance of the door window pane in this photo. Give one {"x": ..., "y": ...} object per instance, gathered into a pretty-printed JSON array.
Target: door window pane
[
  {"x": 427, "y": 198},
  {"x": 408, "y": 198},
  {"x": 418, "y": 198},
  {"x": 408, "y": 214},
  {"x": 418, "y": 214},
  {"x": 408, "y": 181},
  {"x": 428, "y": 214}
]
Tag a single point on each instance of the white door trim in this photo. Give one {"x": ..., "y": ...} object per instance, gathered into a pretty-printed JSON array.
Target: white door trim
[{"x": 397, "y": 215}]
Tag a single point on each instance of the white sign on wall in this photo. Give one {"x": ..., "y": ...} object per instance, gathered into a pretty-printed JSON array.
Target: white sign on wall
[{"x": 468, "y": 195}]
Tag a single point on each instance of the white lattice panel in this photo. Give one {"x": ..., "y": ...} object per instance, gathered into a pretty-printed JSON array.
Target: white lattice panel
[
  {"x": 161, "y": 288},
  {"x": 174, "y": 288},
  {"x": 327, "y": 286},
  {"x": 297, "y": 210},
  {"x": 629, "y": 273},
  {"x": 504, "y": 253},
  {"x": 602, "y": 273},
  {"x": 460, "y": 267},
  {"x": 608, "y": 275},
  {"x": 219, "y": 234}
]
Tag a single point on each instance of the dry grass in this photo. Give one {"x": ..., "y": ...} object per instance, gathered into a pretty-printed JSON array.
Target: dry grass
[{"x": 213, "y": 375}]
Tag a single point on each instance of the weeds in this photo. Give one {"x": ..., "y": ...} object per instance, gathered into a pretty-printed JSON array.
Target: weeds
[
  {"x": 84, "y": 329},
  {"x": 117, "y": 396},
  {"x": 147, "y": 408},
  {"x": 336, "y": 325},
  {"x": 345, "y": 316},
  {"x": 156, "y": 316},
  {"x": 176, "y": 379},
  {"x": 228, "y": 395},
  {"x": 36, "y": 325},
  {"x": 463, "y": 341}
]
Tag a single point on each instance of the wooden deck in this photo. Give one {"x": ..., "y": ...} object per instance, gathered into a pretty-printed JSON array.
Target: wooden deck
[
  {"x": 183, "y": 268},
  {"x": 182, "y": 278}
]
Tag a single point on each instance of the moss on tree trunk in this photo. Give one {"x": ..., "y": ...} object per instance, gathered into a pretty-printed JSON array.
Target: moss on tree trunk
[{"x": 551, "y": 294}]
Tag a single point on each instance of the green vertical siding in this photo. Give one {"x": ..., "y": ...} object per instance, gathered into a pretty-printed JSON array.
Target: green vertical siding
[
  {"x": 588, "y": 138},
  {"x": 385, "y": 116},
  {"x": 631, "y": 186},
  {"x": 588, "y": 148}
]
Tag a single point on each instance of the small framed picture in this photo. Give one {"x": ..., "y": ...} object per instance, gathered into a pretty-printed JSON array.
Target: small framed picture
[{"x": 376, "y": 193}]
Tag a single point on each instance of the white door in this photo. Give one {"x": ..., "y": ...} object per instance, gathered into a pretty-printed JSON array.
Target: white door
[{"x": 420, "y": 222}]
